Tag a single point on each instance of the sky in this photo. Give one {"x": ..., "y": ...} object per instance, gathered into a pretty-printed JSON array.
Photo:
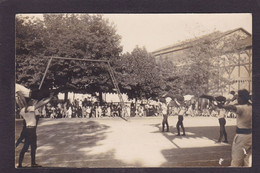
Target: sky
[{"x": 155, "y": 31}]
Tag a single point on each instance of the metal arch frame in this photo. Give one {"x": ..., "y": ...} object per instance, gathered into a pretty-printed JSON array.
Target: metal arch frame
[
  {"x": 110, "y": 70},
  {"x": 63, "y": 58}
]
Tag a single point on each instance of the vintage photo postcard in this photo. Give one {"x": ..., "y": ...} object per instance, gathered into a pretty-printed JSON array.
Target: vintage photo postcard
[{"x": 101, "y": 90}]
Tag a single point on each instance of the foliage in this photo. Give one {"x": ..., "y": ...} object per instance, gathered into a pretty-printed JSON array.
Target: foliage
[
  {"x": 66, "y": 35},
  {"x": 202, "y": 66},
  {"x": 169, "y": 79},
  {"x": 140, "y": 77}
]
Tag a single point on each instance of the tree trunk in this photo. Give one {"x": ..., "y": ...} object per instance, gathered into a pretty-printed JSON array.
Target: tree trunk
[
  {"x": 66, "y": 96},
  {"x": 100, "y": 98}
]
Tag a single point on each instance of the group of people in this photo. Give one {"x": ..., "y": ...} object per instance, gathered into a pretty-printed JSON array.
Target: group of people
[
  {"x": 73, "y": 110},
  {"x": 165, "y": 112},
  {"x": 35, "y": 102},
  {"x": 242, "y": 142},
  {"x": 87, "y": 109}
]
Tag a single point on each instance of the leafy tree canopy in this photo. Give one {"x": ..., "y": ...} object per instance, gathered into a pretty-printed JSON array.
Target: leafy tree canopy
[{"x": 66, "y": 35}]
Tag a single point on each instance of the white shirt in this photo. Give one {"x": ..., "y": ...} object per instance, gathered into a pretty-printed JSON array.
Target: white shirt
[
  {"x": 164, "y": 109},
  {"x": 221, "y": 113},
  {"x": 182, "y": 111},
  {"x": 29, "y": 116}
]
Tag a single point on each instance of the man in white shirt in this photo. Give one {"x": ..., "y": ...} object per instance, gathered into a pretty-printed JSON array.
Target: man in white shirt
[
  {"x": 30, "y": 130},
  {"x": 164, "y": 111},
  {"x": 221, "y": 114},
  {"x": 181, "y": 113}
]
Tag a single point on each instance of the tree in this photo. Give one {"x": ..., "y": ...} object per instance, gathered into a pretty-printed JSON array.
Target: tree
[
  {"x": 67, "y": 35},
  {"x": 138, "y": 74},
  {"x": 169, "y": 79},
  {"x": 200, "y": 72},
  {"x": 29, "y": 43}
]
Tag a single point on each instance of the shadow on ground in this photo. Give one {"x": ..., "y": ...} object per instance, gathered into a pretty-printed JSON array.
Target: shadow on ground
[
  {"x": 197, "y": 156},
  {"x": 63, "y": 143},
  {"x": 60, "y": 144}
]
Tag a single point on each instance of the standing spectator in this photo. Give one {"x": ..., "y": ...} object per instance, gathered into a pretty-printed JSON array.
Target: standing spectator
[
  {"x": 119, "y": 109},
  {"x": 99, "y": 111},
  {"x": 93, "y": 111},
  {"x": 79, "y": 111},
  {"x": 128, "y": 110},
  {"x": 69, "y": 112},
  {"x": 48, "y": 110},
  {"x": 73, "y": 111},
  {"x": 52, "y": 112},
  {"x": 133, "y": 109},
  {"x": 141, "y": 110},
  {"x": 88, "y": 111},
  {"x": 58, "y": 112},
  {"x": 108, "y": 111},
  {"x": 84, "y": 111},
  {"x": 63, "y": 110}
]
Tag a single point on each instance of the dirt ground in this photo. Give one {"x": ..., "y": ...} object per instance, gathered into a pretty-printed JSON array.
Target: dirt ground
[{"x": 138, "y": 142}]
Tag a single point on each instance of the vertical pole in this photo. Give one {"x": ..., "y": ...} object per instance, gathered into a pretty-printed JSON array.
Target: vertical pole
[
  {"x": 118, "y": 91},
  {"x": 49, "y": 62},
  {"x": 239, "y": 69},
  {"x": 250, "y": 69}
]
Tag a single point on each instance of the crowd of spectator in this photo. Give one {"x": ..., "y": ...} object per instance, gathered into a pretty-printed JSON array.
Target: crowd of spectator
[{"x": 88, "y": 109}]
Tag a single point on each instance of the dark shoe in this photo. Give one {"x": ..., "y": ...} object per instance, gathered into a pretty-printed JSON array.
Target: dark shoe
[
  {"x": 183, "y": 135},
  {"x": 19, "y": 166},
  {"x": 35, "y": 165},
  {"x": 178, "y": 135},
  {"x": 225, "y": 141},
  {"x": 167, "y": 131}
]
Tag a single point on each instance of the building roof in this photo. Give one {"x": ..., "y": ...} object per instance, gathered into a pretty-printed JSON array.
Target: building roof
[{"x": 212, "y": 37}]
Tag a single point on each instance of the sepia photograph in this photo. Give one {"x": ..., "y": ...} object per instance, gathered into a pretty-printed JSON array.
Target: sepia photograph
[{"x": 126, "y": 90}]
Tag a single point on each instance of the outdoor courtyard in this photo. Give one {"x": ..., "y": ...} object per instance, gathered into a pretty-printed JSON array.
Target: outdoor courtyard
[{"x": 114, "y": 143}]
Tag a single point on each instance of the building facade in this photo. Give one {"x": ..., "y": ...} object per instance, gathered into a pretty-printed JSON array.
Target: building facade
[{"x": 234, "y": 64}]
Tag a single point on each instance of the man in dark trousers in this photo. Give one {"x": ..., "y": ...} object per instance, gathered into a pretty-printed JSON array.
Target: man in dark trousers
[
  {"x": 164, "y": 112},
  {"x": 22, "y": 135},
  {"x": 28, "y": 113},
  {"x": 181, "y": 113},
  {"x": 221, "y": 118}
]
